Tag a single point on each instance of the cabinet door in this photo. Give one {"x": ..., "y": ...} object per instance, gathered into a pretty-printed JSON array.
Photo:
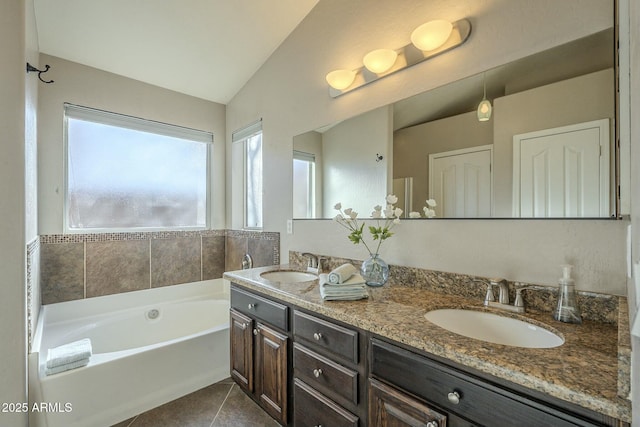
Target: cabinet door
[
  {"x": 271, "y": 371},
  {"x": 389, "y": 407},
  {"x": 242, "y": 350}
]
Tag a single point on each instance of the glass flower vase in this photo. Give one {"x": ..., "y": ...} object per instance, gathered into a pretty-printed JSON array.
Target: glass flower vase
[{"x": 375, "y": 271}]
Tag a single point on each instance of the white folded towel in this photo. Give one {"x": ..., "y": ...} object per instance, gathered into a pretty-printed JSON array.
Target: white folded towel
[
  {"x": 342, "y": 274},
  {"x": 67, "y": 366},
  {"x": 69, "y": 353},
  {"x": 353, "y": 289}
]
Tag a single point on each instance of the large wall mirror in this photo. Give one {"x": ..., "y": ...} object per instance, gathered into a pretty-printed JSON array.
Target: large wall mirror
[{"x": 547, "y": 150}]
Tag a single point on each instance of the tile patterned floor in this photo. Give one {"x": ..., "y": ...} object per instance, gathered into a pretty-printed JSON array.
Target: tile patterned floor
[{"x": 220, "y": 405}]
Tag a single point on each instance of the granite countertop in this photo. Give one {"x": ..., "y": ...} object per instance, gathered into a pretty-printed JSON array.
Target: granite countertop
[{"x": 591, "y": 369}]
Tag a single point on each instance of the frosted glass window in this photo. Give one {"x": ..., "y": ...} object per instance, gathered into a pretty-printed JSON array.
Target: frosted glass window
[
  {"x": 303, "y": 185},
  {"x": 253, "y": 181},
  {"x": 131, "y": 177}
]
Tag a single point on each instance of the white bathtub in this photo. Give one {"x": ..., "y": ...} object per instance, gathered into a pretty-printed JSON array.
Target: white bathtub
[{"x": 138, "y": 362}]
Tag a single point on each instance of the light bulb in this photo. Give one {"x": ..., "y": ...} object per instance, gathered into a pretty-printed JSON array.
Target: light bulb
[
  {"x": 380, "y": 60},
  {"x": 484, "y": 110},
  {"x": 431, "y": 35},
  {"x": 341, "y": 79}
]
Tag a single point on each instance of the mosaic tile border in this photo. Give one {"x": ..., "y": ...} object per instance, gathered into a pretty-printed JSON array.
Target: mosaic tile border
[
  {"x": 593, "y": 306},
  {"x": 33, "y": 261},
  {"x": 138, "y": 235},
  {"x": 256, "y": 235}
]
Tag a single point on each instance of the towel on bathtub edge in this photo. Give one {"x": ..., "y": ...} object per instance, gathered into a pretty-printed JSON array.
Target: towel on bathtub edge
[
  {"x": 69, "y": 353},
  {"x": 67, "y": 366}
]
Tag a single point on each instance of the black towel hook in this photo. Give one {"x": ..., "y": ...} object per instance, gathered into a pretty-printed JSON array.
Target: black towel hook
[{"x": 31, "y": 68}]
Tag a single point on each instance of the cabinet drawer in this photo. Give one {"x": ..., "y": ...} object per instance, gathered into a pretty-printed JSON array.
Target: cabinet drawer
[
  {"x": 476, "y": 399},
  {"x": 325, "y": 375},
  {"x": 312, "y": 409},
  {"x": 340, "y": 341},
  {"x": 264, "y": 309}
]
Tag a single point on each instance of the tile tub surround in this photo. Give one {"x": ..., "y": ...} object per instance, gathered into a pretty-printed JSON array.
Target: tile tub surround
[
  {"x": 76, "y": 266},
  {"x": 584, "y": 371}
]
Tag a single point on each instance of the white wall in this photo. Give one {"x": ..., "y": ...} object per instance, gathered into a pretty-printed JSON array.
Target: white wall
[
  {"x": 630, "y": 102},
  {"x": 17, "y": 120},
  {"x": 291, "y": 96},
  {"x": 349, "y": 152},
  {"x": 90, "y": 87}
]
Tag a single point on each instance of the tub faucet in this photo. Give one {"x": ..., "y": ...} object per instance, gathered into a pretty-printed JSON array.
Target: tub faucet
[{"x": 247, "y": 262}]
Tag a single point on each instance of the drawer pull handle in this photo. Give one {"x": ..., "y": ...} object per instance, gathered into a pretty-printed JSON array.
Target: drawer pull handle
[
  {"x": 454, "y": 397},
  {"x": 432, "y": 424},
  {"x": 318, "y": 425},
  {"x": 251, "y": 306},
  {"x": 317, "y": 372},
  {"x": 317, "y": 336}
]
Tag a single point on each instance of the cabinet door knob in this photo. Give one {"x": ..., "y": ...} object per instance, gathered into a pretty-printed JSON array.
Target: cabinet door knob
[
  {"x": 432, "y": 424},
  {"x": 317, "y": 336},
  {"x": 454, "y": 397},
  {"x": 317, "y": 372},
  {"x": 251, "y": 306},
  {"x": 255, "y": 331}
]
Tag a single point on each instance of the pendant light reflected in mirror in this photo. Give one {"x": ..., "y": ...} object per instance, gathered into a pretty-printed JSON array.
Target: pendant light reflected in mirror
[{"x": 484, "y": 108}]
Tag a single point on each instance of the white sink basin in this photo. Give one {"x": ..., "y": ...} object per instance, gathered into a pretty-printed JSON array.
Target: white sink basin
[
  {"x": 288, "y": 276},
  {"x": 494, "y": 328}
]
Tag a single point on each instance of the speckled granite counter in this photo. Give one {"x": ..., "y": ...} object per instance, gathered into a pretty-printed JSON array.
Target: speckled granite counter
[{"x": 590, "y": 369}]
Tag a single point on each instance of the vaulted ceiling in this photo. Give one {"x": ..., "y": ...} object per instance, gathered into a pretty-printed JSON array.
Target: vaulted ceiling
[{"x": 204, "y": 48}]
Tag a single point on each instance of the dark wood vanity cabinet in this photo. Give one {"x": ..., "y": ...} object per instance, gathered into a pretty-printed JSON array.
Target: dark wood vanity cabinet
[
  {"x": 305, "y": 369},
  {"x": 415, "y": 386},
  {"x": 260, "y": 351},
  {"x": 389, "y": 407},
  {"x": 328, "y": 373}
]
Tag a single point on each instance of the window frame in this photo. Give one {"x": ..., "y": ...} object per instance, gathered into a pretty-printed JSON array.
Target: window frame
[
  {"x": 104, "y": 117},
  {"x": 310, "y": 158},
  {"x": 241, "y": 136}
]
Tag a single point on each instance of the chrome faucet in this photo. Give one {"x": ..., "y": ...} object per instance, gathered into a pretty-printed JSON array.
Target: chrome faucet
[
  {"x": 503, "y": 290},
  {"x": 503, "y": 296},
  {"x": 313, "y": 263}
]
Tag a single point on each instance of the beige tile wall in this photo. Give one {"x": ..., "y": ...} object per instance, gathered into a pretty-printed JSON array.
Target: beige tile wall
[{"x": 88, "y": 265}]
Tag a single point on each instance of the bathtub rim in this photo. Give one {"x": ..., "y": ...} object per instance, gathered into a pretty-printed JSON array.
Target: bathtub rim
[{"x": 75, "y": 310}]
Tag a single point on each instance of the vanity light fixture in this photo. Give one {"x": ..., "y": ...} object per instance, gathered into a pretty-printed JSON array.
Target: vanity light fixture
[
  {"x": 380, "y": 60},
  {"x": 341, "y": 79},
  {"x": 428, "y": 40},
  {"x": 431, "y": 35},
  {"x": 484, "y": 108}
]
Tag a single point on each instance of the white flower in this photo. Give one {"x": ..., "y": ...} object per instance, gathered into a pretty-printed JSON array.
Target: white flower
[
  {"x": 376, "y": 214},
  {"x": 431, "y": 203},
  {"x": 389, "y": 211},
  {"x": 414, "y": 215},
  {"x": 353, "y": 214},
  {"x": 398, "y": 212},
  {"x": 429, "y": 213},
  {"x": 391, "y": 199},
  {"x": 377, "y": 208},
  {"x": 348, "y": 211}
]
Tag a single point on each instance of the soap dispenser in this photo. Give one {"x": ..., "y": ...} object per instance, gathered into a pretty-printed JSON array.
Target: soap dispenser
[{"x": 567, "y": 310}]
